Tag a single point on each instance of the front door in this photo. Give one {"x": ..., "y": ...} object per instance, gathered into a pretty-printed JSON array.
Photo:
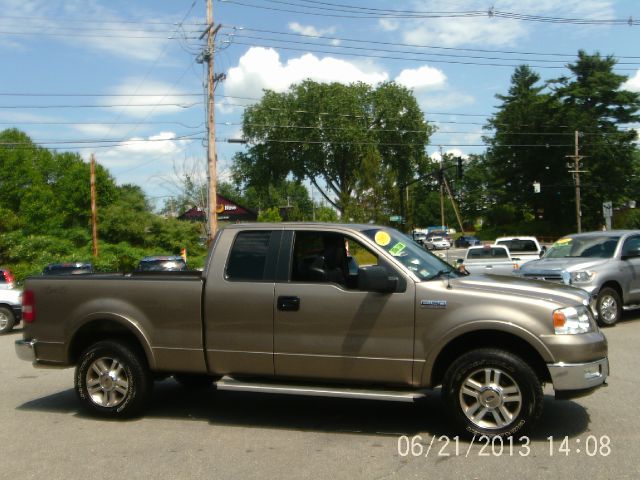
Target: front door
[{"x": 325, "y": 328}]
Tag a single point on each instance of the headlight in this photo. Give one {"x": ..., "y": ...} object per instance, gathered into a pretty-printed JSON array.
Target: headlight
[
  {"x": 572, "y": 320},
  {"x": 584, "y": 276}
]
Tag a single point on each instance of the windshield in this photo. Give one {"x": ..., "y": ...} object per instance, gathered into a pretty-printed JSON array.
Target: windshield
[
  {"x": 423, "y": 264},
  {"x": 600, "y": 246}
]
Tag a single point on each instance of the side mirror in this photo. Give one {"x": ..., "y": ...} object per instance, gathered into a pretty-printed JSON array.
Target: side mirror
[
  {"x": 460, "y": 261},
  {"x": 543, "y": 250},
  {"x": 375, "y": 278}
]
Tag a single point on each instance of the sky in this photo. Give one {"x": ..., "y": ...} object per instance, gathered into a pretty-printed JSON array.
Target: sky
[{"x": 125, "y": 81}]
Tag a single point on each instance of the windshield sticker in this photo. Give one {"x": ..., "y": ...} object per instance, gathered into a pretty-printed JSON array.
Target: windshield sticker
[
  {"x": 563, "y": 241},
  {"x": 397, "y": 249},
  {"x": 382, "y": 238}
]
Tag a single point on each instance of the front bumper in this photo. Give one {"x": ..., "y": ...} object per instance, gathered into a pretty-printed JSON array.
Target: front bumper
[
  {"x": 26, "y": 350},
  {"x": 577, "y": 377}
]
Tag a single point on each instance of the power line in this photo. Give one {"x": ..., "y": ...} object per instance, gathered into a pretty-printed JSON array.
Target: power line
[
  {"x": 348, "y": 11},
  {"x": 136, "y": 105},
  {"x": 93, "y": 20},
  {"x": 411, "y": 45},
  {"x": 414, "y": 59}
]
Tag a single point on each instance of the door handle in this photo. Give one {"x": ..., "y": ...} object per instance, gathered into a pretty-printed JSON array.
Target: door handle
[{"x": 289, "y": 304}]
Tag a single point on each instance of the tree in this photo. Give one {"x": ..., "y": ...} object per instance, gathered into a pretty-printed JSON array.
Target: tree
[
  {"x": 333, "y": 135},
  {"x": 529, "y": 145},
  {"x": 595, "y": 104}
]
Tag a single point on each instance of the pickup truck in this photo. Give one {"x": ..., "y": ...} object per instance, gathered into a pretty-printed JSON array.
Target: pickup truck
[
  {"x": 524, "y": 248},
  {"x": 357, "y": 311},
  {"x": 604, "y": 264},
  {"x": 490, "y": 259}
]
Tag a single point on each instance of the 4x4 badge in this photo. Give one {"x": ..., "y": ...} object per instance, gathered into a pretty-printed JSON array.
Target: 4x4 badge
[{"x": 433, "y": 303}]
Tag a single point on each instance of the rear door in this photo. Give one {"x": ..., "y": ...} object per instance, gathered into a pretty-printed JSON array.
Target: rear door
[
  {"x": 238, "y": 302},
  {"x": 327, "y": 329}
]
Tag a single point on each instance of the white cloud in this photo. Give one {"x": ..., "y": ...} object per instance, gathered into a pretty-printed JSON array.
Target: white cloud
[
  {"x": 159, "y": 98},
  {"x": 261, "y": 68},
  {"x": 39, "y": 16},
  {"x": 389, "y": 25},
  {"x": 633, "y": 83},
  {"x": 492, "y": 31},
  {"x": 310, "y": 30},
  {"x": 456, "y": 152},
  {"x": 422, "y": 78}
]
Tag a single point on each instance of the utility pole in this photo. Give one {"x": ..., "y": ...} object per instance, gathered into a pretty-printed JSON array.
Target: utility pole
[
  {"x": 94, "y": 209},
  {"x": 576, "y": 175},
  {"x": 212, "y": 175},
  {"x": 441, "y": 181},
  {"x": 453, "y": 202}
]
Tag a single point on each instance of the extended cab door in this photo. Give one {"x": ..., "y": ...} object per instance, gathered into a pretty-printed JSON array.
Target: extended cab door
[
  {"x": 238, "y": 302},
  {"x": 327, "y": 329}
]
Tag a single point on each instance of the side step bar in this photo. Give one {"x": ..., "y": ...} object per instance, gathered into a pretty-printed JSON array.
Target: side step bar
[{"x": 232, "y": 384}]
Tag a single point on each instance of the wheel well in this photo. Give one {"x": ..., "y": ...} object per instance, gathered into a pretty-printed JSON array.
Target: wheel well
[
  {"x": 616, "y": 286},
  {"x": 97, "y": 330},
  {"x": 488, "y": 339}
]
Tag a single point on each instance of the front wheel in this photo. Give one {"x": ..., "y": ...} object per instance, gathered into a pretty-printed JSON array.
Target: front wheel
[
  {"x": 609, "y": 307},
  {"x": 113, "y": 379},
  {"x": 492, "y": 392},
  {"x": 7, "y": 320}
]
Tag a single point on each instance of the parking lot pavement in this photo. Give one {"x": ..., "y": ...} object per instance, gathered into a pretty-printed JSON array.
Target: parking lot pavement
[{"x": 233, "y": 435}]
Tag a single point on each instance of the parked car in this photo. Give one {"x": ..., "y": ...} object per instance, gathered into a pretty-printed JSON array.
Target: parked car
[
  {"x": 6, "y": 279},
  {"x": 437, "y": 243},
  {"x": 162, "y": 263},
  {"x": 419, "y": 237},
  {"x": 69, "y": 268},
  {"x": 493, "y": 259},
  {"x": 525, "y": 248},
  {"x": 466, "y": 241},
  {"x": 605, "y": 264},
  {"x": 10, "y": 309}
]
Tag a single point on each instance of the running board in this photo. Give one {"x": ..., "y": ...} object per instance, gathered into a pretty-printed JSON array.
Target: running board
[
  {"x": 630, "y": 307},
  {"x": 236, "y": 385}
]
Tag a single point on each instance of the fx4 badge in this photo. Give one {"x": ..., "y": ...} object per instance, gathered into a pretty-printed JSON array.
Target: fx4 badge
[{"x": 433, "y": 303}]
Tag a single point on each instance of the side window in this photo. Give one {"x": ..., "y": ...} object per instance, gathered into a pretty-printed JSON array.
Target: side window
[
  {"x": 325, "y": 257},
  {"x": 631, "y": 245},
  {"x": 248, "y": 257}
]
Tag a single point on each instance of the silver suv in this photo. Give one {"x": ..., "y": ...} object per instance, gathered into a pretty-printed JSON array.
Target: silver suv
[{"x": 605, "y": 264}]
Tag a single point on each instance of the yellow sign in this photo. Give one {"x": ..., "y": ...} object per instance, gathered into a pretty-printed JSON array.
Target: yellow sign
[
  {"x": 382, "y": 238},
  {"x": 219, "y": 208}
]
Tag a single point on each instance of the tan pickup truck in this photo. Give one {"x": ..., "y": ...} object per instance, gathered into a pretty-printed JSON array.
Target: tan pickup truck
[{"x": 355, "y": 311}]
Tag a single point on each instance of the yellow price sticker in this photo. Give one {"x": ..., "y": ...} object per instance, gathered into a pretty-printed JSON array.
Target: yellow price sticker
[{"x": 382, "y": 238}]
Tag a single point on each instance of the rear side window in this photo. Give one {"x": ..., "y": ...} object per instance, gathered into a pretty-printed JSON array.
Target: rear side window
[
  {"x": 248, "y": 257},
  {"x": 517, "y": 245}
]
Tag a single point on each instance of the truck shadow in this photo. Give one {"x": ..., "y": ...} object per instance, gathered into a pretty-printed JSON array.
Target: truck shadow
[{"x": 315, "y": 414}]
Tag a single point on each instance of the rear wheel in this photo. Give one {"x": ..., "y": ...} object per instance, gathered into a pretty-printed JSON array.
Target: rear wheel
[
  {"x": 7, "y": 320},
  {"x": 113, "y": 379},
  {"x": 492, "y": 392},
  {"x": 609, "y": 307}
]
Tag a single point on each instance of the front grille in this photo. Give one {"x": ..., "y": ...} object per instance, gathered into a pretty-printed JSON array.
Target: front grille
[{"x": 550, "y": 277}]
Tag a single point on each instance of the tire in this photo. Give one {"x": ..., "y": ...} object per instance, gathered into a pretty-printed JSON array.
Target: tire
[
  {"x": 194, "y": 381},
  {"x": 609, "y": 307},
  {"x": 7, "y": 320},
  {"x": 113, "y": 380},
  {"x": 492, "y": 392}
]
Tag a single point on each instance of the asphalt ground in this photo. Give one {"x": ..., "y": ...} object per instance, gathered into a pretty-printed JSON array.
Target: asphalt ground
[{"x": 206, "y": 435}]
